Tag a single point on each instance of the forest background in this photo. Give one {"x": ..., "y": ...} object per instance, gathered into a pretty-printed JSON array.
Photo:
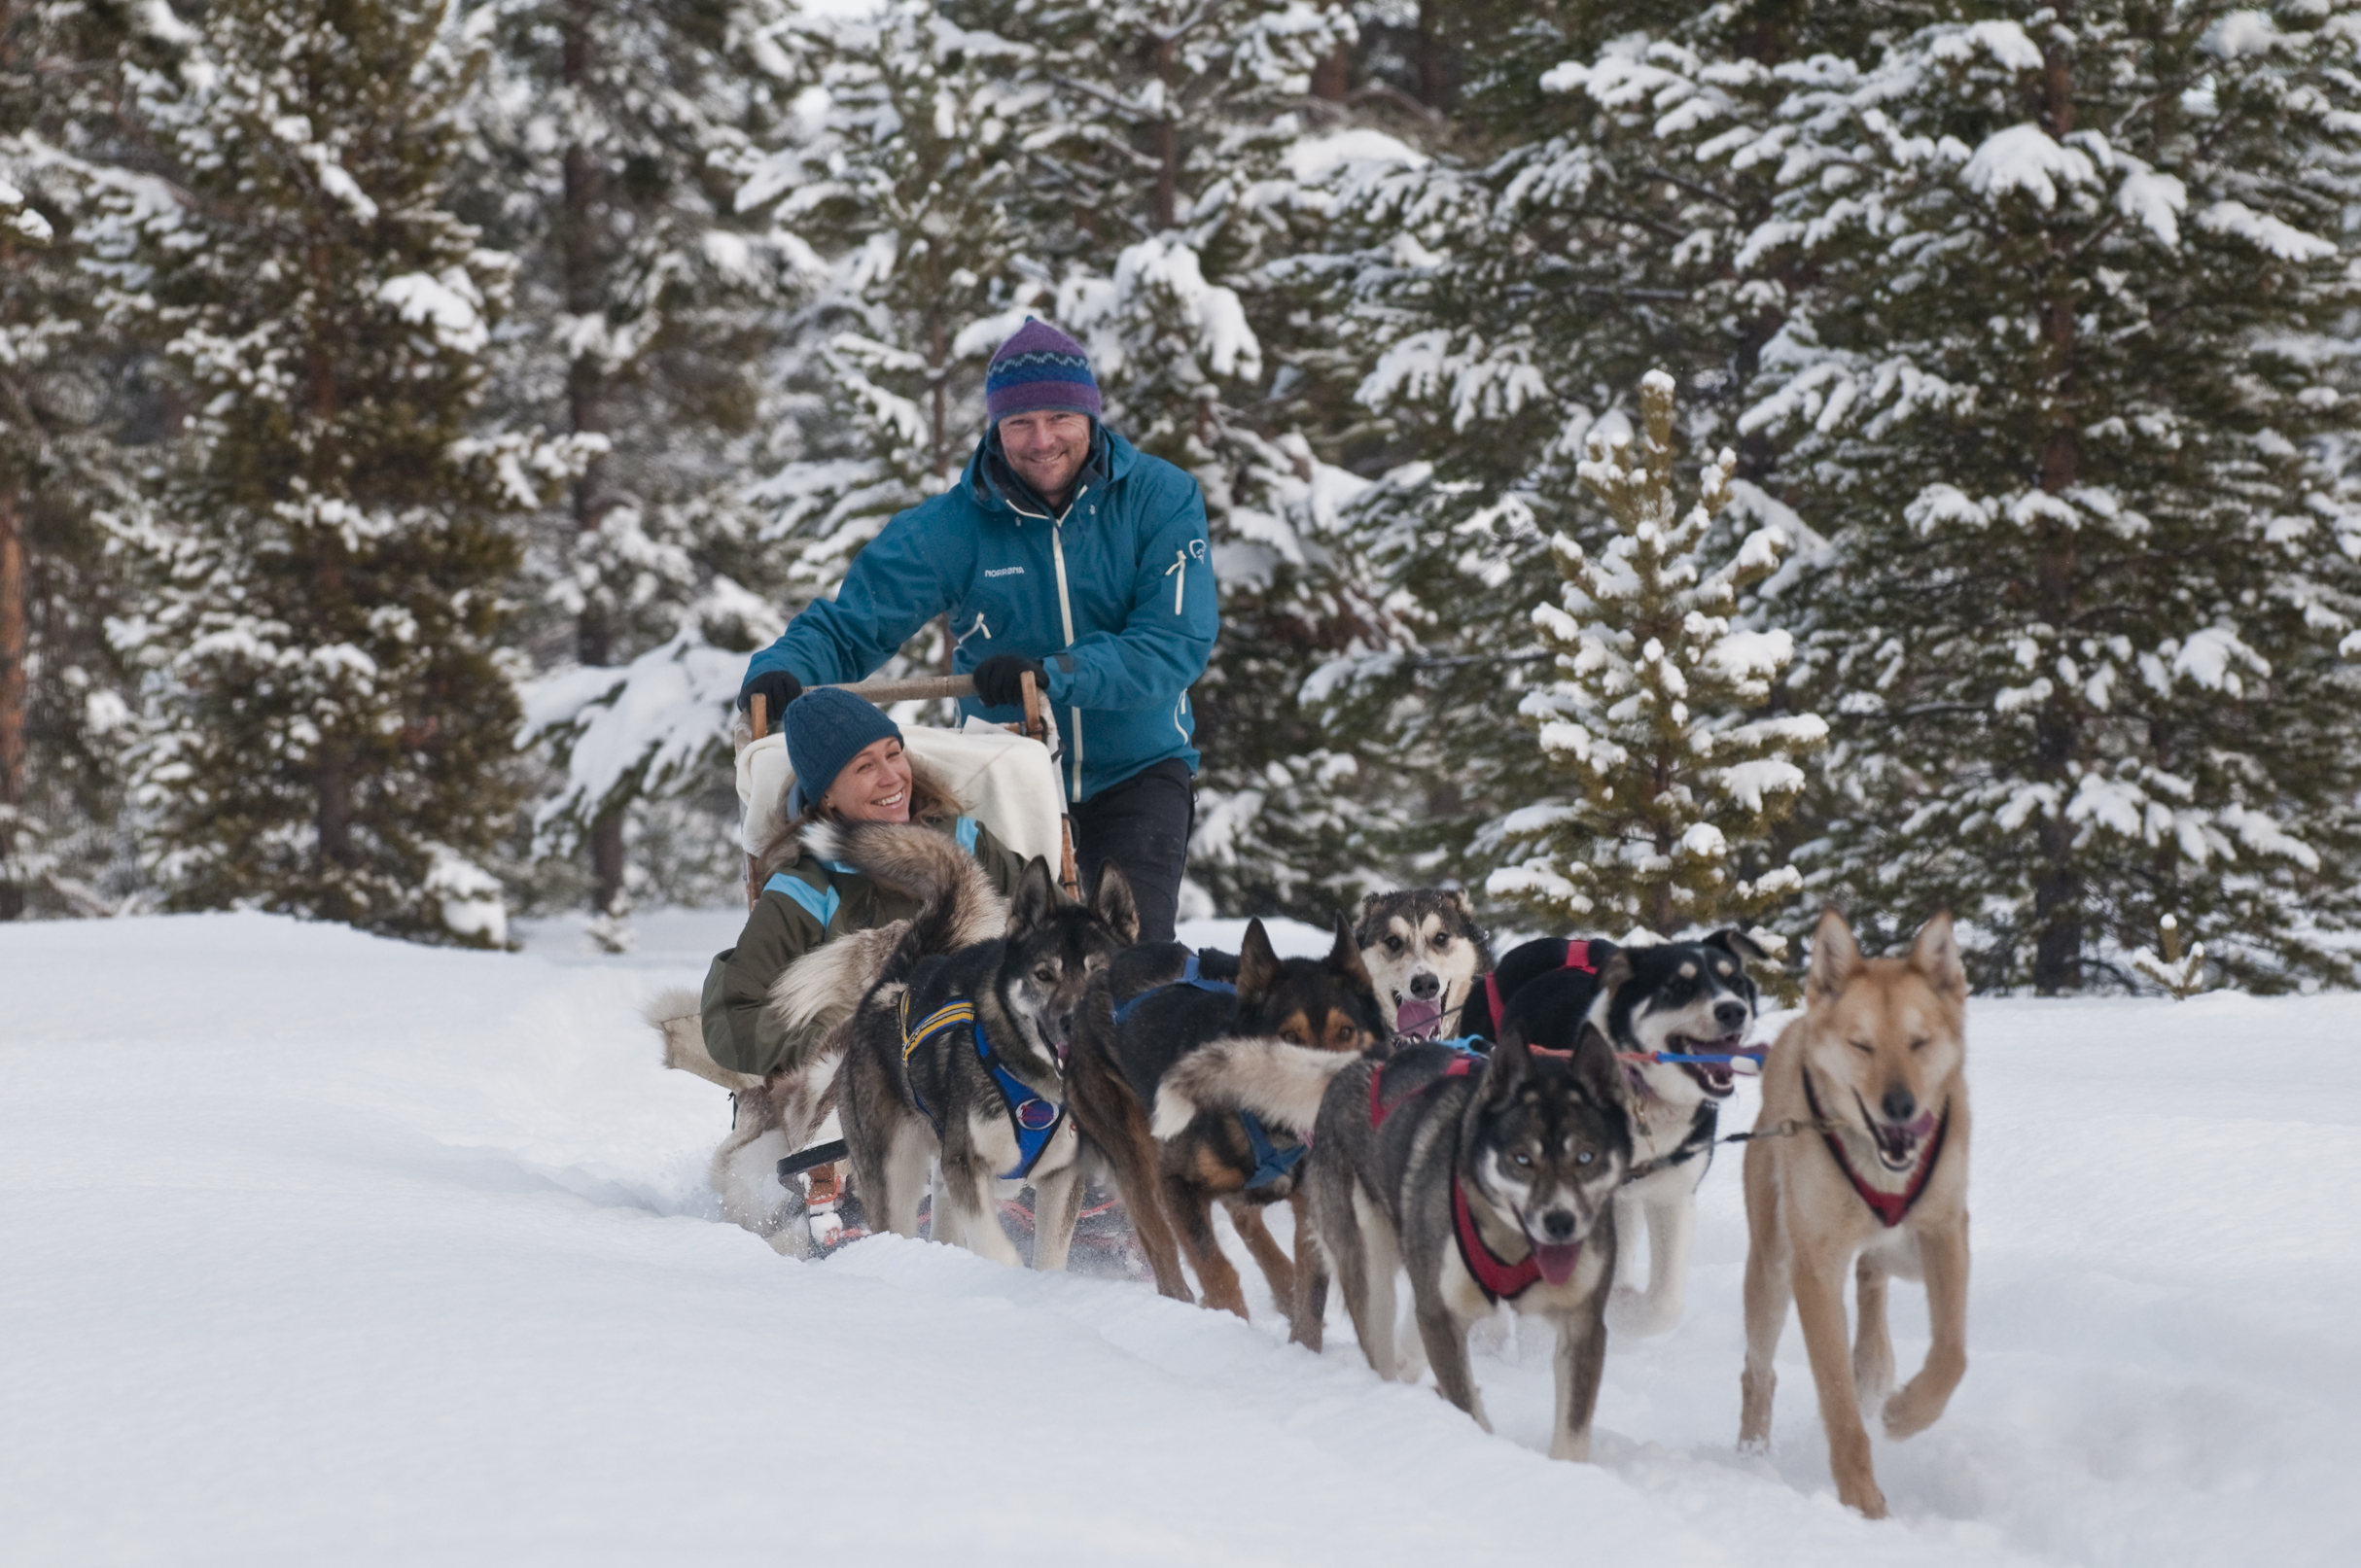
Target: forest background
[{"x": 1668, "y": 464}]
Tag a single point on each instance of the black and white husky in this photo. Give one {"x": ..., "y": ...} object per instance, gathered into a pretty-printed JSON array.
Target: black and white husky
[
  {"x": 1677, "y": 998},
  {"x": 1487, "y": 1179},
  {"x": 957, "y": 1056}
]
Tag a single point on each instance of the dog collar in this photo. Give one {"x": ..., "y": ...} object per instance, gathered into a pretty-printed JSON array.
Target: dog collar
[
  {"x": 1891, "y": 1207},
  {"x": 1497, "y": 1278},
  {"x": 1189, "y": 977}
]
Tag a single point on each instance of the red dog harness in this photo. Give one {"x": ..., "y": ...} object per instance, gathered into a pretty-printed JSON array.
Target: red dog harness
[
  {"x": 1499, "y": 1280},
  {"x": 1891, "y": 1207},
  {"x": 1577, "y": 956}
]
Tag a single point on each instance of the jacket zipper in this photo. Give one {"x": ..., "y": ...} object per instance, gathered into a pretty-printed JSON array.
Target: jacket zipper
[{"x": 1057, "y": 553}]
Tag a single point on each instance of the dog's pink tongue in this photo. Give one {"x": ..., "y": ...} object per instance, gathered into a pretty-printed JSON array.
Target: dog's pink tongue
[
  {"x": 1558, "y": 1261},
  {"x": 1413, "y": 1017}
]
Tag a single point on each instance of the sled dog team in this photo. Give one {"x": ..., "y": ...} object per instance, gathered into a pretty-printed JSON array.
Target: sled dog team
[{"x": 1496, "y": 1132}]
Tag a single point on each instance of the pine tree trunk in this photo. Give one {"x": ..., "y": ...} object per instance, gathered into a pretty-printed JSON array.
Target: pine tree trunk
[
  {"x": 14, "y": 640},
  {"x": 2057, "y": 894},
  {"x": 1167, "y": 135},
  {"x": 584, "y": 267}
]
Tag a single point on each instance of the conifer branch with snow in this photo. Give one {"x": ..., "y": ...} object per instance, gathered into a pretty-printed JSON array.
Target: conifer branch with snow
[{"x": 1660, "y": 719}]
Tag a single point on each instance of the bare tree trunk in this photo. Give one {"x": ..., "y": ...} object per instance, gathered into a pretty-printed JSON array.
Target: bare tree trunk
[
  {"x": 14, "y": 640},
  {"x": 582, "y": 265},
  {"x": 333, "y": 770},
  {"x": 2058, "y": 895},
  {"x": 1167, "y": 135}
]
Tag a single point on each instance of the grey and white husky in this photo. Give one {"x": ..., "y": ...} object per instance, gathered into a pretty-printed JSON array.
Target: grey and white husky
[
  {"x": 1425, "y": 952},
  {"x": 775, "y": 1116},
  {"x": 957, "y": 1056},
  {"x": 1487, "y": 1180}
]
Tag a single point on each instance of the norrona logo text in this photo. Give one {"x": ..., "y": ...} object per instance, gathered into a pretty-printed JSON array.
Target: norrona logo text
[{"x": 1005, "y": 572}]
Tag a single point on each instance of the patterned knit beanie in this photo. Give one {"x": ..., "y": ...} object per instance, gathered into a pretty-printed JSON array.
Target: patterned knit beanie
[
  {"x": 1041, "y": 369},
  {"x": 825, "y": 729}
]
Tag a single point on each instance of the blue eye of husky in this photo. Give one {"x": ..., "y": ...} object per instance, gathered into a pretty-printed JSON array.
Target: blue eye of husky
[
  {"x": 1524, "y": 1159},
  {"x": 1584, "y": 1159}
]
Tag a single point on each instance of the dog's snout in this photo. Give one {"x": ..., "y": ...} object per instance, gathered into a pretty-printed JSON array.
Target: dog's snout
[
  {"x": 1899, "y": 1103},
  {"x": 1558, "y": 1224},
  {"x": 1730, "y": 1016},
  {"x": 1424, "y": 986}
]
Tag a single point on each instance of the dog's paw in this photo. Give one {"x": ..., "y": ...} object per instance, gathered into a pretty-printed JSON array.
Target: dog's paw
[
  {"x": 1910, "y": 1411},
  {"x": 1754, "y": 1448},
  {"x": 1633, "y": 1313}
]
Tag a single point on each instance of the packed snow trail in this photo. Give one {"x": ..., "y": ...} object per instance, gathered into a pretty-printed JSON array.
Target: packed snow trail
[{"x": 326, "y": 1249}]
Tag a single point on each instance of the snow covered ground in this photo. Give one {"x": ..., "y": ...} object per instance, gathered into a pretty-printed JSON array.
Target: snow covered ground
[{"x": 319, "y": 1249}]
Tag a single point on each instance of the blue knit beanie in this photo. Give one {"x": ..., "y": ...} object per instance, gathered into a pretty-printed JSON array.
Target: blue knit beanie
[
  {"x": 1040, "y": 371},
  {"x": 825, "y": 729}
]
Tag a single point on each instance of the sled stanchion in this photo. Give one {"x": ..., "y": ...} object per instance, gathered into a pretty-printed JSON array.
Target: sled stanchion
[
  {"x": 1038, "y": 728},
  {"x": 758, "y": 714}
]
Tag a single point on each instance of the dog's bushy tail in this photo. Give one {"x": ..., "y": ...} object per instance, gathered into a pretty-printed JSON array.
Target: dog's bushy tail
[
  {"x": 673, "y": 1015},
  {"x": 958, "y": 905},
  {"x": 1278, "y": 1080}
]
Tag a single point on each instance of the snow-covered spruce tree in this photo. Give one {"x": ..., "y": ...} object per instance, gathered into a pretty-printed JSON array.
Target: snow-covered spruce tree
[
  {"x": 644, "y": 312},
  {"x": 329, "y": 716},
  {"x": 1501, "y": 293},
  {"x": 1171, "y": 180},
  {"x": 2064, "y": 294},
  {"x": 62, "y": 395},
  {"x": 1660, "y": 713}
]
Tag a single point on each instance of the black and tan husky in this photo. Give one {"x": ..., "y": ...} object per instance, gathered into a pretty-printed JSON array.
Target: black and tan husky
[
  {"x": 958, "y": 1058},
  {"x": 1140, "y": 1021}
]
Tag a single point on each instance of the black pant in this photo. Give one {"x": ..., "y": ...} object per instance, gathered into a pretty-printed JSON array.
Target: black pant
[{"x": 1141, "y": 824}]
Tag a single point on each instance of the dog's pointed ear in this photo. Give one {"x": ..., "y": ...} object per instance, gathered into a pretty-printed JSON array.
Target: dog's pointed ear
[
  {"x": 1510, "y": 1065},
  {"x": 1110, "y": 901},
  {"x": 1835, "y": 957},
  {"x": 1599, "y": 1070},
  {"x": 1037, "y": 898},
  {"x": 1936, "y": 956},
  {"x": 1738, "y": 944},
  {"x": 1345, "y": 957},
  {"x": 1257, "y": 963},
  {"x": 1614, "y": 972}
]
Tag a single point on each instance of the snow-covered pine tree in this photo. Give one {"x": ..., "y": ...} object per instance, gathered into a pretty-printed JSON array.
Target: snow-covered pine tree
[
  {"x": 330, "y": 715},
  {"x": 1499, "y": 294},
  {"x": 2061, "y": 359},
  {"x": 644, "y": 312},
  {"x": 1660, "y": 713},
  {"x": 62, "y": 394}
]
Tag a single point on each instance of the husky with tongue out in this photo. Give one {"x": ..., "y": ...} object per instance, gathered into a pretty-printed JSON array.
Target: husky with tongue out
[
  {"x": 1489, "y": 1180},
  {"x": 1667, "y": 998}
]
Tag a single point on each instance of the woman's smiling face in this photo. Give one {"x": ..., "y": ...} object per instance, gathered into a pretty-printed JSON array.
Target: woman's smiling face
[{"x": 875, "y": 786}]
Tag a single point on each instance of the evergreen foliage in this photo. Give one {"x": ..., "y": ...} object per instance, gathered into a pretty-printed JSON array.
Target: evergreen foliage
[
  {"x": 329, "y": 716},
  {"x": 643, "y": 313},
  {"x": 1659, "y": 713}
]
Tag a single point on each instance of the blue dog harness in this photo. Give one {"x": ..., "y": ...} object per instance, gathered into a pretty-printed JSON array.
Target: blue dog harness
[
  {"x": 1271, "y": 1162},
  {"x": 1034, "y": 1121}
]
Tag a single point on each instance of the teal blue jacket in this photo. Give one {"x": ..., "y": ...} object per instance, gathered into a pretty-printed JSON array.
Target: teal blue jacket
[{"x": 1115, "y": 598}]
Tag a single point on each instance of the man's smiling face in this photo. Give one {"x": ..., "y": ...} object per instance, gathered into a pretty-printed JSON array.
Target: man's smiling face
[{"x": 1046, "y": 450}]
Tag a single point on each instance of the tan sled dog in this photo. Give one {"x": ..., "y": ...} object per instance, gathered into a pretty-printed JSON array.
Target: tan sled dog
[{"x": 1861, "y": 1153}]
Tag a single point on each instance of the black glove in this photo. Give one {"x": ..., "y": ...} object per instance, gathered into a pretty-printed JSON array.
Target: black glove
[
  {"x": 777, "y": 688},
  {"x": 998, "y": 679}
]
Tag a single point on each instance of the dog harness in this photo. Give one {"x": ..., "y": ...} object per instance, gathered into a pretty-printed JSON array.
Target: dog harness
[
  {"x": 1891, "y": 1207},
  {"x": 1271, "y": 1162},
  {"x": 1189, "y": 977},
  {"x": 1497, "y": 1278},
  {"x": 1460, "y": 1066},
  {"x": 1577, "y": 956},
  {"x": 1032, "y": 1120}
]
